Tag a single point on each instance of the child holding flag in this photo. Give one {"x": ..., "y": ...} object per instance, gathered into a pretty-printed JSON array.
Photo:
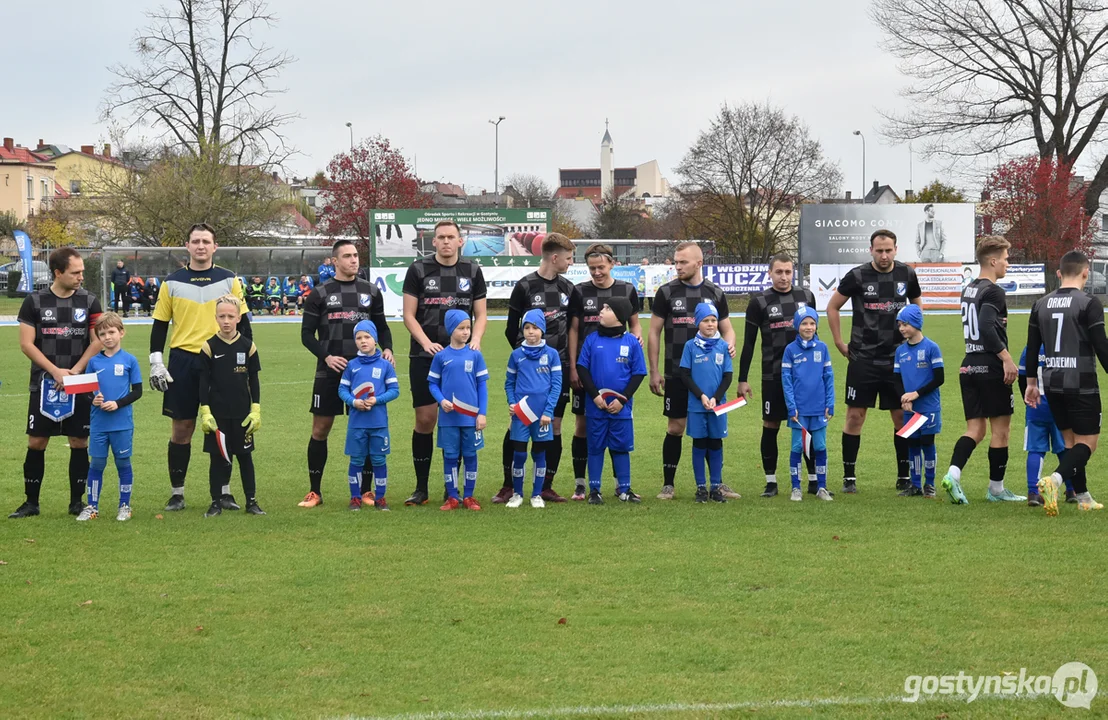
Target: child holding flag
[
  {"x": 611, "y": 366},
  {"x": 1040, "y": 436},
  {"x": 230, "y": 409},
  {"x": 809, "y": 385},
  {"x": 118, "y": 383},
  {"x": 533, "y": 384},
  {"x": 458, "y": 380},
  {"x": 368, "y": 383},
  {"x": 706, "y": 372},
  {"x": 919, "y": 362}
]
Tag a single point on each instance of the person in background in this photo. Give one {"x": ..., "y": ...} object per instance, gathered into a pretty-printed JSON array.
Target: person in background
[
  {"x": 121, "y": 278},
  {"x": 326, "y": 270}
]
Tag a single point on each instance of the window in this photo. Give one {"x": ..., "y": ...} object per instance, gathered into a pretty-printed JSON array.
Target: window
[
  {"x": 75, "y": 187},
  {"x": 30, "y": 188},
  {"x": 1104, "y": 222},
  {"x": 46, "y": 193}
]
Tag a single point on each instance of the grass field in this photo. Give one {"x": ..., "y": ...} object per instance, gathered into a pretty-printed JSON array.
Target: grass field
[{"x": 762, "y": 607}]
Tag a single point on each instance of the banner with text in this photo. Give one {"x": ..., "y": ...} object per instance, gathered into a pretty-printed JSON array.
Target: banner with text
[
  {"x": 739, "y": 279},
  {"x": 497, "y": 236},
  {"x": 930, "y": 233}
]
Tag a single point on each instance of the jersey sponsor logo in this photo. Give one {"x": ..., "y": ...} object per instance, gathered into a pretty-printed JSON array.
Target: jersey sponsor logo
[
  {"x": 431, "y": 284},
  {"x": 901, "y": 289},
  {"x": 48, "y": 315},
  {"x": 469, "y": 365},
  {"x": 120, "y": 370},
  {"x": 679, "y": 304},
  {"x": 885, "y": 306},
  {"x": 871, "y": 291},
  {"x": 333, "y": 300},
  {"x": 682, "y": 321},
  {"x": 974, "y": 370},
  {"x": 79, "y": 314},
  {"x": 463, "y": 284},
  {"x": 364, "y": 299},
  {"x": 537, "y": 301},
  {"x": 781, "y": 325},
  {"x": 216, "y": 357},
  {"x": 448, "y": 301},
  {"x": 590, "y": 303},
  {"x": 63, "y": 332},
  {"x": 347, "y": 315},
  {"x": 775, "y": 311}
]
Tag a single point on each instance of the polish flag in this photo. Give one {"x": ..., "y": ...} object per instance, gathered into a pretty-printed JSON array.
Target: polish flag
[
  {"x": 463, "y": 408},
  {"x": 730, "y": 405},
  {"x": 523, "y": 412},
  {"x": 365, "y": 390},
  {"x": 77, "y": 384},
  {"x": 608, "y": 395},
  {"x": 918, "y": 420},
  {"x": 806, "y": 440},
  {"x": 221, "y": 441}
]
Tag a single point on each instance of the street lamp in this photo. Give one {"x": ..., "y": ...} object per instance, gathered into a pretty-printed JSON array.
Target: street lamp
[
  {"x": 351, "y": 126},
  {"x": 859, "y": 134},
  {"x": 496, "y": 166}
]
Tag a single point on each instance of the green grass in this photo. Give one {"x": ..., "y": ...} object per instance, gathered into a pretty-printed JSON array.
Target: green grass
[{"x": 327, "y": 613}]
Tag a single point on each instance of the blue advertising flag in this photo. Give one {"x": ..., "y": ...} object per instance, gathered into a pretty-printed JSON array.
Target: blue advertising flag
[{"x": 23, "y": 244}]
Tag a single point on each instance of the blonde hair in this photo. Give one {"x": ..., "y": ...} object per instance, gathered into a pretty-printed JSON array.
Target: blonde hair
[
  {"x": 228, "y": 300},
  {"x": 991, "y": 245},
  {"x": 109, "y": 320}
]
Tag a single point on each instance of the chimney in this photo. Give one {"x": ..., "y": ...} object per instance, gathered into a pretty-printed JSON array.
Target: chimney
[
  {"x": 9, "y": 144},
  {"x": 88, "y": 149},
  {"x": 275, "y": 178},
  {"x": 108, "y": 150},
  {"x": 848, "y": 196},
  {"x": 909, "y": 195},
  {"x": 41, "y": 143},
  {"x": 876, "y": 186}
]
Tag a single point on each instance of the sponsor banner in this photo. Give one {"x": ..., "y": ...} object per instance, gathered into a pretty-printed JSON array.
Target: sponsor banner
[
  {"x": 494, "y": 236},
  {"x": 739, "y": 279},
  {"x": 938, "y": 233},
  {"x": 23, "y": 244}
]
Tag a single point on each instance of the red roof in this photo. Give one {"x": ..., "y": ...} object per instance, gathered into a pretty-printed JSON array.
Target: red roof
[
  {"x": 59, "y": 193},
  {"x": 23, "y": 155}
]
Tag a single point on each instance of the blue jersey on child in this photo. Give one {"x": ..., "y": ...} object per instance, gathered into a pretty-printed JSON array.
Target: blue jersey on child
[
  {"x": 362, "y": 373},
  {"x": 916, "y": 365},
  {"x": 807, "y": 378},
  {"x": 534, "y": 372},
  {"x": 115, "y": 374},
  {"x": 707, "y": 359},
  {"x": 460, "y": 376},
  {"x": 1041, "y": 414},
  {"x": 612, "y": 362}
]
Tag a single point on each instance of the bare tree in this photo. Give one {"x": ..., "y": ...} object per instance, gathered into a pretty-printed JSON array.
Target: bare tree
[
  {"x": 532, "y": 190},
  {"x": 992, "y": 75},
  {"x": 203, "y": 77},
  {"x": 744, "y": 177}
]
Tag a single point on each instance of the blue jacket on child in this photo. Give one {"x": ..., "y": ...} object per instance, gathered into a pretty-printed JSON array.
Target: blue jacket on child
[
  {"x": 535, "y": 372},
  {"x": 365, "y": 375},
  {"x": 806, "y": 373}
]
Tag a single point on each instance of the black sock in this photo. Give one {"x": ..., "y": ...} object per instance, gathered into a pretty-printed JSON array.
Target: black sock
[
  {"x": 998, "y": 461},
  {"x": 179, "y": 463},
  {"x": 962, "y": 451},
  {"x": 78, "y": 473},
  {"x": 219, "y": 474},
  {"x": 1075, "y": 459},
  {"x": 367, "y": 476},
  {"x": 423, "y": 447},
  {"x": 769, "y": 450},
  {"x": 34, "y": 467},
  {"x": 246, "y": 472},
  {"x": 317, "y": 461},
  {"x": 553, "y": 460},
  {"x": 851, "y": 443},
  {"x": 810, "y": 463},
  {"x": 579, "y": 449},
  {"x": 671, "y": 458},
  {"x": 507, "y": 452},
  {"x": 1080, "y": 481},
  {"x": 901, "y": 446}
]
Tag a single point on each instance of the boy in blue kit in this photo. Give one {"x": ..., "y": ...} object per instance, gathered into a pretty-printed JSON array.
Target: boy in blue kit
[
  {"x": 1040, "y": 436},
  {"x": 368, "y": 383},
  {"x": 533, "y": 384},
  {"x": 706, "y": 372},
  {"x": 611, "y": 366},
  {"x": 112, "y": 423},
  {"x": 458, "y": 380},
  {"x": 919, "y": 362},
  {"x": 809, "y": 385}
]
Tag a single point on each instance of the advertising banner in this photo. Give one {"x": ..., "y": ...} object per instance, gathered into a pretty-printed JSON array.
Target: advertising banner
[
  {"x": 495, "y": 236},
  {"x": 739, "y": 279},
  {"x": 23, "y": 245},
  {"x": 646, "y": 278},
  {"x": 930, "y": 233}
]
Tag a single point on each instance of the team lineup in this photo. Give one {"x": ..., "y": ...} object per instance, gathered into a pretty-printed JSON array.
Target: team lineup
[{"x": 580, "y": 346}]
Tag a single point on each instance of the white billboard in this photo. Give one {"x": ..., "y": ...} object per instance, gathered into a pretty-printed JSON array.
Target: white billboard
[{"x": 930, "y": 233}]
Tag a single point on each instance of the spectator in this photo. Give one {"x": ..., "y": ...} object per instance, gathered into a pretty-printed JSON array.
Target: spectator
[
  {"x": 326, "y": 270},
  {"x": 273, "y": 295},
  {"x": 644, "y": 261},
  {"x": 255, "y": 294},
  {"x": 303, "y": 288},
  {"x": 121, "y": 277}
]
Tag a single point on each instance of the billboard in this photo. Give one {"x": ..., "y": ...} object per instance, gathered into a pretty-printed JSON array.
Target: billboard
[
  {"x": 497, "y": 236},
  {"x": 941, "y": 233},
  {"x": 739, "y": 279}
]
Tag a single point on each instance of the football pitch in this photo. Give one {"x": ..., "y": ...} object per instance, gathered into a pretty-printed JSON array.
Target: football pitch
[{"x": 757, "y": 607}]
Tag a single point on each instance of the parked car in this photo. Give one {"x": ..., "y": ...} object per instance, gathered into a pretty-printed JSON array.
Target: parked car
[{"x": 41, "y": 271}]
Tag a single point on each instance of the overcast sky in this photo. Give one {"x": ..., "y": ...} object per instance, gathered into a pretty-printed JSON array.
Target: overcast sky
[{"x": 429, "y": 75}]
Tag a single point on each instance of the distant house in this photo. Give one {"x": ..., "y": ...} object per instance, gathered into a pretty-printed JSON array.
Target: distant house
[
  {"x": 881, "y": 195},
  {"x": 28, "y": 186}
]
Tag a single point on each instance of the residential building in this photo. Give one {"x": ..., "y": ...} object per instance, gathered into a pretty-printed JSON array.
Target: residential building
[
  {"x": 27, "y": 184},
  {"x": 85, "y": 172},
  {"x": 880, "y": 195},
  {"x": 640, "y": 182}
]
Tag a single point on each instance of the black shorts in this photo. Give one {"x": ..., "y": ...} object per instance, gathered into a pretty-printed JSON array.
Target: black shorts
[
  {"x": 182, "y": 400},
  {"x": 76, "y": 425},
  {"x": 580, "y": 397},
  {"x": 866, "y": 382},
  {"x": 676, "y": 401},
  {"x": 325, "y": 394},
  {"x": 418, "y": 369},
  {"x": 1078, "y": 413},
  {"x": 773, "y": 399},
  {"x": 563, "y": 400},
  {"x": 234, "y": 438},
  {"x": 985, "y": 395}
]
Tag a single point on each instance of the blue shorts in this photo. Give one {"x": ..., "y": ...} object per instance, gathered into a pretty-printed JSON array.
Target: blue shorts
[
  {"x": 934, "y": 424},
  {"x": 706, "y": 425},
  {"x": 811, "y": 423},
  {"x": 366, "y": 442},
  {"x": 615, "y": 434},
  {"x": 533, "y": 432},
  {"x": 457, "y": 441},
  {"x": 120, "y": 441},
  {"x": 1043, "y": 438}
]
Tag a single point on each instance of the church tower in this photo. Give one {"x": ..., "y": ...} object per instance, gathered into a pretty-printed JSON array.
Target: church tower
[{"x": 607, "y": 164}]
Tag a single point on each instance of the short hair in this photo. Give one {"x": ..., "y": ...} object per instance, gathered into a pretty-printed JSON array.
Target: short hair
[
  {"x": 928, "y": 206},
  {"x": 686, "y": 246},
  {"x": 1073, "y": 263},
  {"x": 555, "y": 242},
  {"x": 228, "y": 300},
  {"x": 59, "y": 260},
  {"x": 441, "y": 223},
  {"x": 780, "y": 257},
  {"x": 883, "y": 232},
  {"x": 991, "y": 245},
  {"x": 205, "y": 227},
  {"x": 600, "y": 249},
  {"x": 107, "y": 320},
  {"x": 339, "y": 244}
]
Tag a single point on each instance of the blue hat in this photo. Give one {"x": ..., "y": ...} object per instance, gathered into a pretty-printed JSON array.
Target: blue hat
[
  {"x": 805, "y": 312},
  {"x": 366, "y": 326},
  {"x": 537, "y": 318},
  {"x": 454, "y": 318},
  {"x": 704, "y": 310},
  {"x": 912, "y": 315}
]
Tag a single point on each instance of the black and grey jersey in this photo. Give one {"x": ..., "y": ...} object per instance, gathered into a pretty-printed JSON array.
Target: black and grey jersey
[
  {"x": 772, "y": 313},
  {"x": 984, "y": 310},
  {"x": 1064, "y": 320},
  {"x": 554, "y": 298},
  {"x": 876, "y": 298},
  {"x": 63, "y": 327},
  {"x": 334, "y": 307},
  {"x": 675, "y": 303},
  {"x": 438, "y": 288},
  {"x": 586, "y": 304}
]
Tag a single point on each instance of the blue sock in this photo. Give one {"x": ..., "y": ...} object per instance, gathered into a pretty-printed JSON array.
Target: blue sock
[
  {"x": 519, "y": 467},
  {"x": 126, "y": 477},
  {"x": 1035, "y": 461},
  {"x": 450, "y": 475},
  {"x": 699, "y": 455},
  {"x": 96, "y": 480},
  {"x": 380, "y": 481},
  {"x": 471, "y": 475},
  {"x": 821, "y": 468},
  {"x": 794, "y": 468},
  {"x": 929, "y": 453},
  {"x": 915, "y": 465},
  {"x": 596, "y": 469},
  {"x": 539, "y": 461},
  {"x": 354, "y": 477},
  {"x": 621, "y": 464},
  {"x": 715, "y": 467}
]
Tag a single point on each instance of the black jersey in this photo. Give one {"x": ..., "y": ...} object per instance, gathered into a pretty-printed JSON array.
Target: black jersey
[
  {"x": 554, "y": 298},
  {"x": 876, "y": 298},
  {"x": 229, "y": 376},
  {"x": 984, "y": 324},
  {"x": 772, "y": 313},
  {"x": 438, "y": 288},
  {"x": 1064, "y": 320},
  {"x": 63, "y": 327},
  {"x": 332, "y": 310},
  {"x": 586, "y": 304},
  {"x": 675, "y": 303}
]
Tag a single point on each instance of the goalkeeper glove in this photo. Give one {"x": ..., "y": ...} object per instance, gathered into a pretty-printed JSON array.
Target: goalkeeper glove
[
  {"x": 253, "y": 421},
  {"x": 159, "y": 375},
  {"x": 207, "y": 422}
]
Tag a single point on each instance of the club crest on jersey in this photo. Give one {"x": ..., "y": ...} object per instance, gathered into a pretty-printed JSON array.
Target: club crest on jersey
[
  {"x": 463, "y": 284},
  {"x": 818, "y": 356},
  {"x": 901, "y": 288},
  {"x": 376, "y": 373},
  {"x": 79, "y": 315},
  {"x": 774, "y": 311},
  {"x": 801, "y": 305},
  {"x": 469, "y": 366},
  {"x": 565, "y": 300},
  {"x": 363, "y": 298},
  {"x": 544, "y": 360},
  {"x": 624, "y": 351},
  {"x": 240, "y": 358},
  {"x": 921, "y": 355},
  {"x": 719, "y": 358},
  {"x": 120, "y": 370}
]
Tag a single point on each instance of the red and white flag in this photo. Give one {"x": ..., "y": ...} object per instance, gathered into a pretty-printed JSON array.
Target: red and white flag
[
  {"x": 77, "y": 384},
  {"x": 608, "y": 395},
  {"x": 730, "y": 405},
  {"x": 911, "y": 426},
  {"x": 221, "y": 441},
  {"x": 464, "y": 408},
  {"x": 806, "y": 440},
  {"x": 365, "y": 390},
  {"x": 523, "y": 412}
]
